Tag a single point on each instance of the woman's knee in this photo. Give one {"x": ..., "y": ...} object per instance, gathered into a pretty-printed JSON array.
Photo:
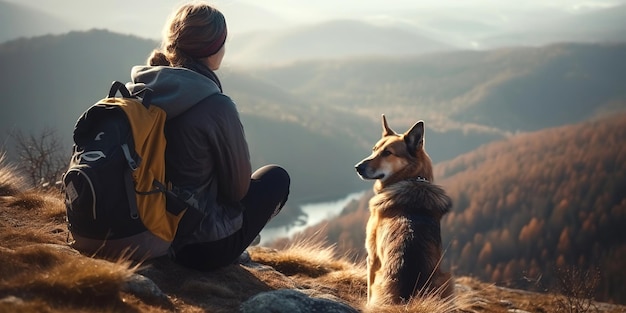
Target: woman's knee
[
  {"x": 272, "y": 172},
  {"x": 269, "y": 188},
  {"x": 274, "y": 177}
]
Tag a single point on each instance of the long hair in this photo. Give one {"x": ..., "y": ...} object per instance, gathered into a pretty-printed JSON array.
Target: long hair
[{"x": 195, "y": 30}]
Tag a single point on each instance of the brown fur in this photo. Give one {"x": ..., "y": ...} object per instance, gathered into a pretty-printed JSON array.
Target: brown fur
[{"x": 403, "y": 238}]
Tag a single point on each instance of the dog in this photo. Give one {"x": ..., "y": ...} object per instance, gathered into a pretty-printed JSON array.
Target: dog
[{"x": 403, "y": 236}]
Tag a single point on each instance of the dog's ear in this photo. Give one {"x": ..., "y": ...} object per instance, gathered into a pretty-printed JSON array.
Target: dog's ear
[
  {"x": 414, "y": 137},
  {"x": 386, "y": 130}
]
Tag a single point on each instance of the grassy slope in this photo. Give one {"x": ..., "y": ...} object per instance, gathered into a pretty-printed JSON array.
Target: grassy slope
[{"x": 41, "y": 273}]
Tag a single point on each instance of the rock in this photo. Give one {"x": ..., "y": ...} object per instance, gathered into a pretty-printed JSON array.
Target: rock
[
  {"x": 13, "y": 300},
  {"x": 506, "y": 303},
  {"x": 291, "y": 301},
  {"x": 145, "y": 289},
  {"x": 244, "y": 258}
]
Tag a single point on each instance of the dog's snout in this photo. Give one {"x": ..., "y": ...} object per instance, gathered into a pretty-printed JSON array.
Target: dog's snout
[{"x": 361, "y": 167}]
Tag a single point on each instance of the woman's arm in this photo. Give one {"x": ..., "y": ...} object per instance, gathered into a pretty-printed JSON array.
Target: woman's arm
[{"x": 230, "y": 150}]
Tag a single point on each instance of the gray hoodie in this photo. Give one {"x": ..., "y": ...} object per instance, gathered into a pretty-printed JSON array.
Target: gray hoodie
[{"x": 207, "y": 154}]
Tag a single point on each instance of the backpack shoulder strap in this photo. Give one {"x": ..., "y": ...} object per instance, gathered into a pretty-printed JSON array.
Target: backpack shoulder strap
[
  {"x": 145, "y": 94},
  {"x": 116, "y": 87}
]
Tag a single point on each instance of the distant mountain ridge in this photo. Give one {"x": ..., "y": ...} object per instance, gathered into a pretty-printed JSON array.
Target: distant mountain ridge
[
  {"x": 330, "y": 40},
  {"x": 49, "y": 81},
  {"x": 275, "y": 39},
  {"x": 311, "y": 108},
  {"x": 508, "y": 89},
  {"x": 604, "y": 25},
  {"x": 20, "y": 21}
]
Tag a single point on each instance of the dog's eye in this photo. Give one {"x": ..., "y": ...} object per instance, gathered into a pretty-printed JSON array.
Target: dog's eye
[{"x": 385, "y": 153}]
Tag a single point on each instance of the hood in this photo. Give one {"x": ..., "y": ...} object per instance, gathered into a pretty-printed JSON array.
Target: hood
[{"x": 175, "y": 89}]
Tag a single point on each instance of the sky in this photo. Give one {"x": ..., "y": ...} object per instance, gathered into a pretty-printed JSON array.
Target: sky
[{"x": 146, "y": 18}]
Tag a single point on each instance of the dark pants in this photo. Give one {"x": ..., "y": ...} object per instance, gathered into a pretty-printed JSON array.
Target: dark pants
[{"x": 269, "y": 189}]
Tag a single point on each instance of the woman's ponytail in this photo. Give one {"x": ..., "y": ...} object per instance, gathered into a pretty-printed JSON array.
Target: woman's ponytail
[{"x": 157, "y": 58}]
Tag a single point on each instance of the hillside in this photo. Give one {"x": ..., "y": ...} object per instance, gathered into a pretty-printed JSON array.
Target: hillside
[
  {"x": 49, "y": 81},
  {"x": 295, "y": 114},
  {"x": 485, "y": 27},
  {"x": 528, "y": 208},
  {"x": 337, "y": 39},
  {"x": 484, "y": 95},
  {"x": 602, "y": 25},
  {"x": 286, "y": 34},
  {"x": 557, "y": 196},
  {"x": 17, "y": 20},
  {"x": 505, "y": 90},
  {"x": 42, "y": 273}
]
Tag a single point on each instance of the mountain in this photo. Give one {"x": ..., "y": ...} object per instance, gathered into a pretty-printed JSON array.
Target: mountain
[
  {"x": 502, "y": 90},
  {"x": 485, "y": 27},
  {"x": 319, "y": 118},
  {"x": 597, "y": 26},
  {"x": 17, "y": 20},
  {"x": 267, "y": 32},
  {"x": 49, "y": 81},
  {"x": 527, "y": 208},
  {"x": 544, "y": 200},
  {"x": 329, "y": 40},
  {"x": 139, "y": 18}
]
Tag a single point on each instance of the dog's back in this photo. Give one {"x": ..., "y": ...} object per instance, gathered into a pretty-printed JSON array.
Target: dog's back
[
  {"x": 403, "y": 238},
  {"x": 404, "y": 224}
]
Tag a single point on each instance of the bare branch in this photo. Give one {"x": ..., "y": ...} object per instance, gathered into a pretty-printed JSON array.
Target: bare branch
[{"x": 41, "y": 157}]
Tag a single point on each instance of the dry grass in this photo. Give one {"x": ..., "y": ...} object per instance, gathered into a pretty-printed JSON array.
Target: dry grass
[
  {"x": 40, "y": 272},
  {"x": 10, "y": 182},
  {"x": 316, "y": 265},
  {"x": 310, "y": 257}
]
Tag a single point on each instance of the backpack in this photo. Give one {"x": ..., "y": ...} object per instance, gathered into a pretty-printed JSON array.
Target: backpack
[{"x": 117, "y": 200}]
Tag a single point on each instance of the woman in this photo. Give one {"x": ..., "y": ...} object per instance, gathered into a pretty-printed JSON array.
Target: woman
[{"x": 207, "y": 157}]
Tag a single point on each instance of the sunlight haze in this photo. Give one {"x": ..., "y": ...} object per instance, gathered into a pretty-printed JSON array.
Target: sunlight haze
[{"x": 145, "y": 18}]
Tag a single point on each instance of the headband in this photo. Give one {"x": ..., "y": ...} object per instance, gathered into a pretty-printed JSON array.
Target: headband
[{"x": 212, "y": 48}]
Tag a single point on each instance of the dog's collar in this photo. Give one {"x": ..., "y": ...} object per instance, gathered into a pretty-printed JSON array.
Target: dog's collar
[
  {"x": 420, "y": 179},
  {"x": 420, "y": 218},
  {"x": 423, "y": 219}
]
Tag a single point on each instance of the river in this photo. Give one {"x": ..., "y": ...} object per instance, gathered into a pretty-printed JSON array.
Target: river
[{"x": 316, "y": 212}]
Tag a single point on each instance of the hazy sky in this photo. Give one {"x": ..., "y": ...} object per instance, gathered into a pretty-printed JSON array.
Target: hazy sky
[{"x": 146, "y": 17}]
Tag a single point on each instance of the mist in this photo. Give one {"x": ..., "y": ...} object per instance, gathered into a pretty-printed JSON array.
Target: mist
[{"x": 478, "y": 24}]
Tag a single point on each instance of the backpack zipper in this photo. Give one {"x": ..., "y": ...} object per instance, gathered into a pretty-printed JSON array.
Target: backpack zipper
[{"x": 93, "y": 192}]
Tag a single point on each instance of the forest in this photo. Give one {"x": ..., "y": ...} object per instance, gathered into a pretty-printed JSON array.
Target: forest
[{"x": 526, "y": 209}]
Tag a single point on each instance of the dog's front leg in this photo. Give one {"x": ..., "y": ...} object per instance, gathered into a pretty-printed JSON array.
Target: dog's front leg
[
  {"x": 370, "y": 247},
  {"x": 370, "y": 278}
]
